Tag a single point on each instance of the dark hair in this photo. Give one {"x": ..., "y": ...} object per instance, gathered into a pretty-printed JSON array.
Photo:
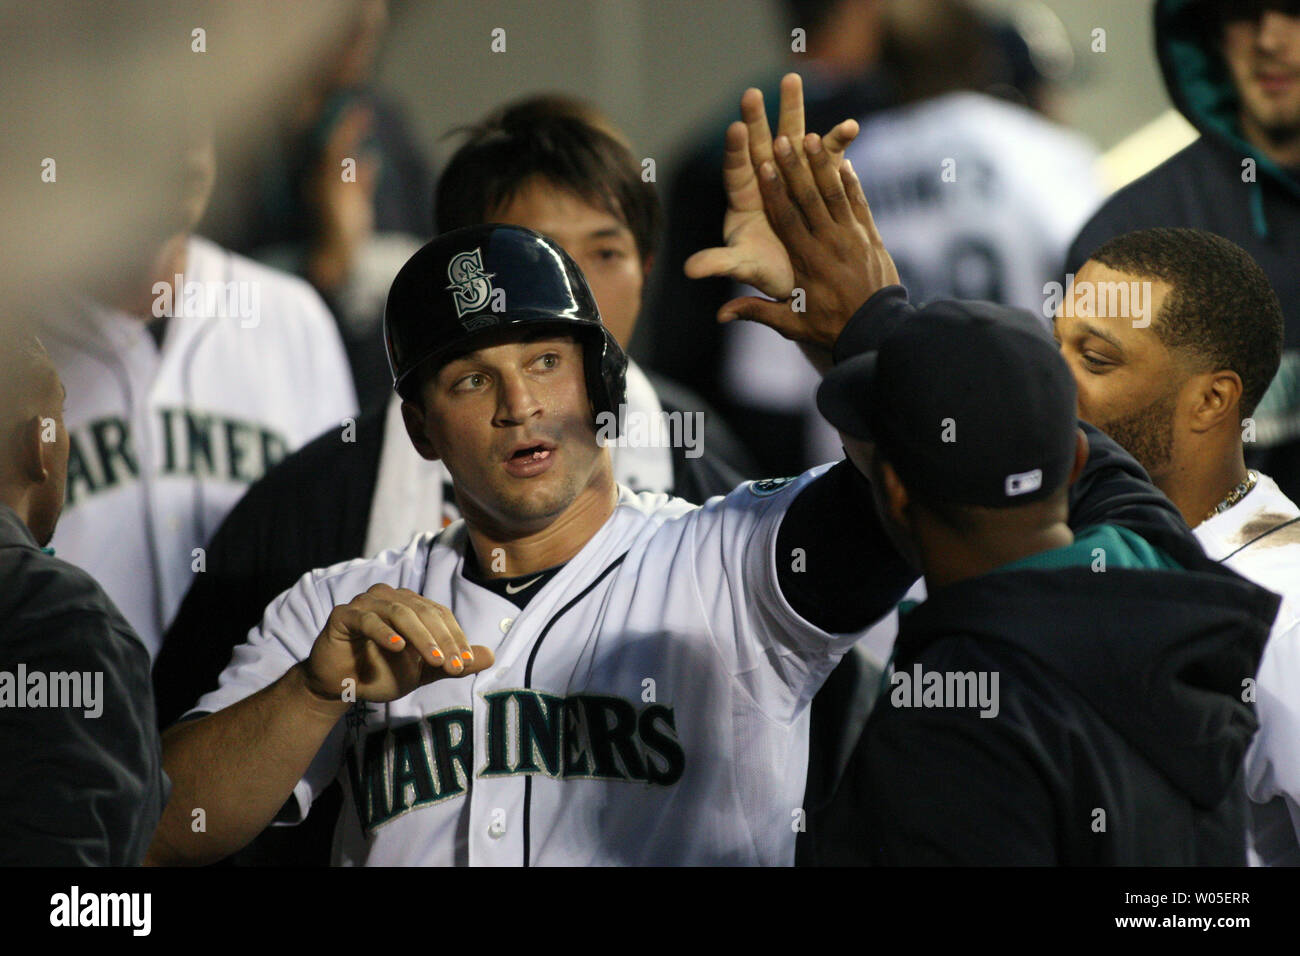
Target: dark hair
[
  {"x": 566, "y": 141},
  {"x": 811, "y": 15},
  {"x": 931, "y": 47},
  {"x": 1220, "y": 12},
  {"x": 1221, "y": 310}
]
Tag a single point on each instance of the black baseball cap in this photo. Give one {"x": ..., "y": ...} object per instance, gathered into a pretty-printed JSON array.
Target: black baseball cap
[{"x": 971, "y": 403}]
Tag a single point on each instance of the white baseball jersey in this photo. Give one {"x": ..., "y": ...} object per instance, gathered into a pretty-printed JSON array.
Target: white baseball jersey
[
  {"x": 164, "y": 440},
  {"x": 976, "y": 198},
  {"x": 1259, "y": 538},
  {"x": 649, "y": 706}
]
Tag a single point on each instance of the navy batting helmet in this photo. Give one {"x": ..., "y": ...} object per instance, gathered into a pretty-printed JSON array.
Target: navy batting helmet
[{"x": 481, "y": 279}]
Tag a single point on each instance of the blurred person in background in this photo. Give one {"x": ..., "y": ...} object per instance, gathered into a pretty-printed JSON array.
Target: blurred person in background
[
  {"x": 342, "y": 199},
  {"x": 1034, "y": 61},
  {"x": 679, "y": 336},
  {"x": 83, "y": 782},
  {"x": 1233, "y": 68},
  {"x": 187, "y": 379},
  {"x": 978, "y": 197}
]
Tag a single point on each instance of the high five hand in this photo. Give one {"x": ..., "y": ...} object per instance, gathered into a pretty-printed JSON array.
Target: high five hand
[
  {"x": 816, "y": 209},
  {"x": 753, "y": 253}
]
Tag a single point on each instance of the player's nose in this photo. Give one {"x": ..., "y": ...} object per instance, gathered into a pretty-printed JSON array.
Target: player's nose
[
  {"x": 516, "y": 400},
  {"x": 1274, "y": 28}
]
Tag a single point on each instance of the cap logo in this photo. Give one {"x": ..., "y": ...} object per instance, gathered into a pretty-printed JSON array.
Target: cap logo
[
  {"x": 1024, "y": 483},
  {"x": 470, "y": 285}
]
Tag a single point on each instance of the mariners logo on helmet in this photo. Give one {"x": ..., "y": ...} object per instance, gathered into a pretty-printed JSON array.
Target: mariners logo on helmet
[{"x": 470, "y": 286}]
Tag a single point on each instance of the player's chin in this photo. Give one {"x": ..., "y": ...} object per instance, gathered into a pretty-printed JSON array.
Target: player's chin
[{"x": 540, "y": 497}]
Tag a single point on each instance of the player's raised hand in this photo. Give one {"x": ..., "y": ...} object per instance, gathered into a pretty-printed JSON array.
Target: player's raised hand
[
  {"x": 753, "y": 253},
  {"x": 389, "y": 641},
  {"x": 817, "y": 209}
]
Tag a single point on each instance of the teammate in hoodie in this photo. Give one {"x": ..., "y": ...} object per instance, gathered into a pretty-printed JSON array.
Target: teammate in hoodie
[
  {"x": 1172, "y": 386},
  {"x": 1233, "y": 68},
  {"x": 1062, "y": 697}
]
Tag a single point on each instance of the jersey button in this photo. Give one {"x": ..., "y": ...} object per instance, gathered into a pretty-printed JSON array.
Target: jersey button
[
  {"x": 497, "y": 828},
  {"x": 506, "y": 623}
]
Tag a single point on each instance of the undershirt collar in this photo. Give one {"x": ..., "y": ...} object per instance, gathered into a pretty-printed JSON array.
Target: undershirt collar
[{"x": 517, "y": 590}]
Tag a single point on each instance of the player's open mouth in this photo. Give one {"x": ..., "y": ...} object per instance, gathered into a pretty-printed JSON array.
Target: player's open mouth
[
  {"x": 1275, "y": 82},
  {"x": 529, "y": 459}
]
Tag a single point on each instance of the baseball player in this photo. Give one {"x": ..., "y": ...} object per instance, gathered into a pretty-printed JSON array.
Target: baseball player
[
  {"x": 1179, "y": 386},
  {"x": 572, "y": 673},
  {"x": 184, "y": 386}
]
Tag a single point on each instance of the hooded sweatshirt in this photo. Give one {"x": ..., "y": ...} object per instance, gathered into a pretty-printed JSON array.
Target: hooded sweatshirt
[
  {"x": 1222, "y": 184},
  {"x": 1107, "y": 726}
]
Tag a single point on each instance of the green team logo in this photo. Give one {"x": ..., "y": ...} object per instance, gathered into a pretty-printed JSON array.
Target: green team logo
[
  {"x": 394, "y": 770},
  {"x": 768, "y": 486}
]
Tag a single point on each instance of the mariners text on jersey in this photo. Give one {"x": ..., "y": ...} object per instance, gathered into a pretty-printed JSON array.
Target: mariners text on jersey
[
  {"x": 584, "y": 736},
  {"x": 102, "y": 454}
]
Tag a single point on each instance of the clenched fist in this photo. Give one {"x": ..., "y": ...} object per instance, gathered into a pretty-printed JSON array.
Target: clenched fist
[{"x": 389, "y": 641}]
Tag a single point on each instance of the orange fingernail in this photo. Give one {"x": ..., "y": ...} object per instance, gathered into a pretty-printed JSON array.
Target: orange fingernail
[
  {"x": 394, "y": 639},
  {"x": 466, "y": 655},
  {"x": 437, "y": 654}
]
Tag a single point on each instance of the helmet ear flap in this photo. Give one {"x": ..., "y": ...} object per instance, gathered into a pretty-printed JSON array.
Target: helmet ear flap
[{"x": 605, "y": 364}]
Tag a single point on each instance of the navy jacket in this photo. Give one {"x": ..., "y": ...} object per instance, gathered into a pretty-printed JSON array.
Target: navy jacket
[{"x": 82, "y": 785}]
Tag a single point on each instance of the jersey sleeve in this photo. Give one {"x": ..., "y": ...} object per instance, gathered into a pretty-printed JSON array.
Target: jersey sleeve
[
  {"x": 779, "y": 657},
  {"x": 284, "y": 638},
  {"x": 1273, "y": 760}
]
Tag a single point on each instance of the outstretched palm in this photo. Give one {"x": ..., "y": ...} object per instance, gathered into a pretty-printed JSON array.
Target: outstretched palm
[{"x": 753, "y": 254}]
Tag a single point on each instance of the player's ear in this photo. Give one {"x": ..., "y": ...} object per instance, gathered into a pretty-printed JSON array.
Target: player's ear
[
  {"x": 413, "y": 419},
  {"x": 1080, "y": 455},
  {"x": 31, "y": 451},
  {"x": 1217, "y": 396},
  {"x": 894, "y": 493}
]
